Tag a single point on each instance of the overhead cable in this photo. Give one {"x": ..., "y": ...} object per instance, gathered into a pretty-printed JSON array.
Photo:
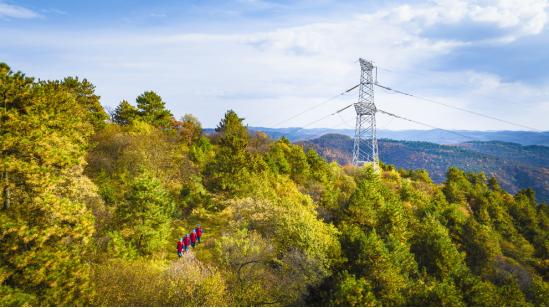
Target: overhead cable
[
  {"x": 424, "y": 124},
  {"x": 457, "y": 108},
  {"x": 315, "y": 106}
]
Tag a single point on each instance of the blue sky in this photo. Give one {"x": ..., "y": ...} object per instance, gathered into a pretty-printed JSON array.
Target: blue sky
[{"x": 268, "y": 60}]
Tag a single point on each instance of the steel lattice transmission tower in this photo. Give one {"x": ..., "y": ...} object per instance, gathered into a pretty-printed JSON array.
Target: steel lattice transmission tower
[{"x": 365, "y": 142}]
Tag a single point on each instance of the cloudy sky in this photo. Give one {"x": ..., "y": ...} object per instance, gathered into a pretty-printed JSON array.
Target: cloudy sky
[{"x": 269, "y": 60}]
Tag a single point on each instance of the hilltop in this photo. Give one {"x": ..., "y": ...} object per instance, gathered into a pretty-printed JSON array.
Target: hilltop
[
  {"x": 93, "y": 206},
  {"x": 515, "y": 166}
]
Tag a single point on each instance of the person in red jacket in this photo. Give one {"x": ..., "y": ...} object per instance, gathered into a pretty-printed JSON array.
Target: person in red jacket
[
  {"x": 180, "y": 247},
  {"x": 186, "y": 243},
  {"x": 193, "y": 238},
  {"x": 198, "y": 233}
]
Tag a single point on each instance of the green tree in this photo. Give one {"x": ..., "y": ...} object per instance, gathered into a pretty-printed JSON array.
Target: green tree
[
  {"x": 152, "y": 109},
  {"x": 144, "y": 218},
  {"x": 481, "y": 245},
  {"x": 363, "y": 205},
  {"x": 434, "y": 251},
  {"x": 369, "y": 257},
  {"x": 353, "y": 292},
  {"x": 276, "y": 158},
  {"x": 124, "y": 113},
  {"x": 453, "y": 188},
  {"x": 233, "y": 134},
  {"x": 84, "y": 92},
  {"x": 229, "y": 170}
]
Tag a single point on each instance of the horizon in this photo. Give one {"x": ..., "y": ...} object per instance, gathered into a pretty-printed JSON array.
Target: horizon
[
  {"x": 328, "y": 153},
  {"x": 399, "y": 130},
  {"x": 434, "y": 136},
  {"x": 268, "y": 60}
]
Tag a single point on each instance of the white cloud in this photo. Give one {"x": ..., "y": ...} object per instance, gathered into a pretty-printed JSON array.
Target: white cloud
[
  {"x": 516, "y": 17},
  {"x": 270, "y": 75},
  {"x": 15, "y": 11},
  {"x": 526, "y": 16}
]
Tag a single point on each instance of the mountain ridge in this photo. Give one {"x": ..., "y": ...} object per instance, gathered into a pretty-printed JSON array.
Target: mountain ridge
[
  {"x": 434, "y": 135},
  {"x": 515, "y": 166}
]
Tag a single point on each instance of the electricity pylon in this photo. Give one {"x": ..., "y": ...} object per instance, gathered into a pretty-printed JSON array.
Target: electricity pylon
[{"x": 365, "y": 145}]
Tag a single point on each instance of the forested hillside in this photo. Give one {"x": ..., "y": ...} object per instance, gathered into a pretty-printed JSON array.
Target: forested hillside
[
  {"x": 93, "y": 205},
  {"x": 516, "y": 167}
]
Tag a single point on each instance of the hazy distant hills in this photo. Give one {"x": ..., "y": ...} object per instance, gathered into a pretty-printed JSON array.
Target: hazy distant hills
[
  {"x": 514, "y": 165},
  {"x": 434, "y": 135},
  {"x": 518, "y": 159}
]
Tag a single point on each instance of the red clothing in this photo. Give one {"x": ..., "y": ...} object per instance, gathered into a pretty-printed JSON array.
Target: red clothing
[
  {"x": 179, "y": 246},
  {"x": 199, "y": 231},
  {"x": 193, "y": 237},
  {"x": 186, "y": 241}
]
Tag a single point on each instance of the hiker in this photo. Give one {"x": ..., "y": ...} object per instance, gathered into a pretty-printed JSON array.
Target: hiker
[
  {"x": 193, "y": 238},
  {"x": 180, "y": 247},
  {"x": 198, "y": 232},
  {"x": 186, "y": 243}
]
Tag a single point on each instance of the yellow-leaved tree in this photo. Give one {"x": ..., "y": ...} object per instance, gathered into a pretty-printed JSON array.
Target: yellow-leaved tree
[{"x": 46, "y": 225}]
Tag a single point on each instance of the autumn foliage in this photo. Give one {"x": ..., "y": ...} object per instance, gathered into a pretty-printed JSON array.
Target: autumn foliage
[{"x": 97, "y": 203}]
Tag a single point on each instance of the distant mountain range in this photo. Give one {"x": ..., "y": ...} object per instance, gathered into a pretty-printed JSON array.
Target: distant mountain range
[
  {"x": 518, "y": 159},
  {"x": 435, "y": 135},
  {"x": 515, "y": 166}
]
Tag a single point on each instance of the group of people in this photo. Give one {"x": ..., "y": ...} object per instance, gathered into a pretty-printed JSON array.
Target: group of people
[{"x": 190, "y": 239}]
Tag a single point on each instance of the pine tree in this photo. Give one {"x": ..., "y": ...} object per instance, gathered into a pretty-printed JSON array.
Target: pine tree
[
  {"x": 85, "y": 95},
  {"x": 144, "y": 218},
  {"x": 152, "y": 109},
  {"x": 229, "y": 170},
  {"x": 124, "y": 113}
]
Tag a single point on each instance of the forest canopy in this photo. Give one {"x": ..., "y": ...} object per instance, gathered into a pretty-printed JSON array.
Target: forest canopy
[{"x": 94, "y": 203}]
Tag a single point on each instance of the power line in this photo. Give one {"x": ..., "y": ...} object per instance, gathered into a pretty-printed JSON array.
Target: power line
[
  {"x": 457, "y": 108},
  {"x": 315, "y": 106},
  {"x": 424, "y": 124},
  {"x": 409, "y": 120},
  {"x": 392, "y": 90},
  {"x": 388, "y": 114},
  {"x": 344, "y": 108},
  {"x": 427, "y": 74},
  {"x": 344, "y": 122},
  {"x": 310, "y": 123},
  {"x": 328, "y": 130},
  {"x": 318, "y": 120}
]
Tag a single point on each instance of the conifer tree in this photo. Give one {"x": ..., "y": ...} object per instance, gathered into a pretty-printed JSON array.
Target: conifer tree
[
  {"x": 152, "y": 109},
  {"x": 229, "y": 169},
  {"x": 124, "y": 113},
  {"x": 85, "y": 95},
  {"x": 144, "y": 219}
]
